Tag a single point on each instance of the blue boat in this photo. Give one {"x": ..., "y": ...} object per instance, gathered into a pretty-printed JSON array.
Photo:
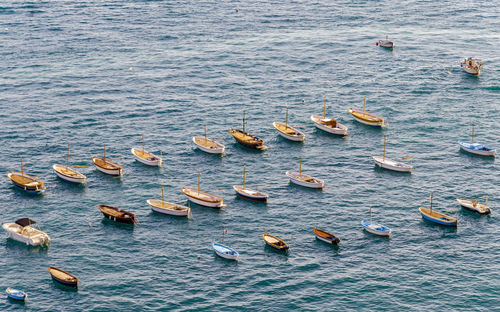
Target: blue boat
[
  {"x": 437, "y": 217},
  {"x": 375, "y": 228},
  {"x": 16, "y": 294},
  {"x": 476, "y": 148},
  {"x": 225, "y": 251}
]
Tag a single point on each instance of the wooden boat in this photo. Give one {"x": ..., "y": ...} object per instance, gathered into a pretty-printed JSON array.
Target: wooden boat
[
  {"x": 202, "y": 198},
  {"x": 161, "y": 206},
  {"x": 471, "y": 66},
  {"x": 375, "y": 228},
  {"x": 390, "y": 164},
  {"x": 247, "y": 193},
  {"x": 303, "y": 179},
  {"x": 326, "y": 237},
  {"x": 329, "y": 125},
  {"x": 26, "y": 182},
  {"x": 386, "y": 43},
  {"x": 246, "y": 139},
  {"x": 16, "y": 294},
  {"x": 106, "y": 166},
  {"x": 145, "y": 157},
  {"x": 224, "y": 251},
  {"x": 63, "y": 277},
  {"x": 70, "y": 175},
  {"x": 367, "y": 118},
  {"x": 275, "y": 242},
  {"x": 437, "y": 217},
  {"x": 117, "y": 214},
  {"x": 25, "y": 231},
  {"x": 475, "y": 206},
  {"x": 476, "y": 148},
  {"x": 288, "y": 132},
  {"x": 208, "y": 145}
]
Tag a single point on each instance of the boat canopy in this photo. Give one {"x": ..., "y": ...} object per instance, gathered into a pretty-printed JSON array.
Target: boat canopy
[{"x": 25, "y": 222}]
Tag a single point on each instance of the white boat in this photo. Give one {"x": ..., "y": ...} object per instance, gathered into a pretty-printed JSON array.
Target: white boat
[
  {"x": 288, "y": 132},
  {"x": 329, "y": 125},
  {"x": 471, "y": 66},
  {"x": 70, "y": 175},
  {"x": 224, "y": 251},
  {"x": 23, "y": 230},
  {"x": 249, "y": 193},
  {"x": 303, "y": 179},
  {"x": 208, "y": 145},
  {"x": 107, "y": 166},
  {"x": 145, "y": 157},
  {"x": 476, "y": 148},
  {"x": 367, "y": 118},
  {"x": 390, "y": 164},
  {"x": 161, "y": 206},
  {"x": 386, "y": 43},
  {"x": 376, "y": 228},
  {"x": 203, "y": 198},
  {"x": 475, "y": 205}
]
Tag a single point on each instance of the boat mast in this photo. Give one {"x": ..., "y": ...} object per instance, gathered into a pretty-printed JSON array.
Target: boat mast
[
  {"x": 486, "y": 202},
  {"x": 286, "y": 119},
  {"x": 205, "y": 131},
  {"x": 300, "y": 166},
  {"x": 162, "y": 199},
  {"x": 431, "y": 202},
  {"x": 143, "y": 143},
  {"x": 104, "y": 153},
  {"x": 370, "y": 215},
  {"x": 199, "y": 175},
  {"x": 243, "y": 177},
  {"x": 324, "y": 107},
  {"x": 223, "y": 235},
  {"x": 364, "y": 105},
  {"x": 244, "y": 121},
  {"x": 472, "y": 139},
  {"x": 67, "y": 158},
  {"x": 385, "y": 140},
  {"x": 22, "y": 172}
]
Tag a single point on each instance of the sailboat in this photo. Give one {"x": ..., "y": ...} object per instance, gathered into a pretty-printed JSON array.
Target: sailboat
[
  {"x": 70, "y": 175},
  {"x": 208, "y": 145},
  {"x": 437, "y": 217},
  {"x": 146, "y": 157},
  {"x": 375, "y": 228},
  {"x": 288, "y": 132},
  {"x": 107, "y": 166},
  {"x": 475, "y": 206},
  {"x": 476, "y": 148},
  {"x": 390, "y": 164},
  {"x": 329, "y": 125},
  {"x": 304, "y": 179},
  {"x": 249, "y": 193},
  {"x": 246, "y": 139},
  {"x": 367, "y": 118},
  {"x": 202, "y": 198},
  {"x": 161, "y": 206},
  {"x": 224, "y": 251},
  {"x": 26, "y": 182}
]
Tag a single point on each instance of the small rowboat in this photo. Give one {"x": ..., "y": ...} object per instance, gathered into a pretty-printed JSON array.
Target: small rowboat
[
  {"x": 475, "y": 206},
  {"x": 63, "y": 277},
  {"x": 367, "y": 118},
  {"x": 202, "y": 198},
  {"x": 246, "y": 139},
  {"x": 161, "y": 206},
  {"x": 329, "y": 125},
  {"x": 145, "y": 157},
  {"x": 117, "y": 214},
  {"x": 288, "y": 132},
  {"x": 476, "y": 148},
  {"x": 70, "y": 175},
  {"x": 471, "y": 66},
  {"x": 250, "y": 194},
  {"x": 26, "y": 182},
  {"x": 16, "y": 294},
  {"x": 106, "y": 166},
  {"x": 375, "y": 228},
  {"x": 24, "y": 230},
  {"x": 304, "y": 179},
  {"x": 386, "y": 43},
  {"x": 208, "y": 145},
  {"x": 437, "y": 217},
  {"x": 275, "y": 242},
  {"x": 390, "y": 164},
  {"x": 224, "y": 251},
  {"x": 326, "y": 237}
]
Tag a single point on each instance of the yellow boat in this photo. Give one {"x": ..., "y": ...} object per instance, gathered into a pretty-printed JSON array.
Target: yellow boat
[
  {"x": 246, "y": 139},
  {"x": 65, "y": 173},
  {"x": 26, "y": 182},
  {"x": 275, "y": 242},
  {"x": 288, "y": 132},
  {"x": 367, "y": 118}
]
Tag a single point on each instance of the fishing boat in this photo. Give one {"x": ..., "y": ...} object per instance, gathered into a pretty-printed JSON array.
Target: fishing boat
[
  {"x": 107, "y": 166},
  {"x": 275, "y": 242},
  {"x": 208, "y": 145},
  {"x": 329, "y": 125},
  {"x": 25, "y": 231},
  {"x": 161, "y": 206},
  {"x": 247, "y": 193},
  {"x": 63, "y": 277},
  {"x": 476, "y": 148},
  {"x": 304, "y": 179},
  {"x": 367, "y": 118},
  {"x": 145, "y": 157},
  {"x": 375, "y": 228},
  {"x": 386, "y": 43},
  {"x": 26, "y": 182},
  {"x": 471, "y": 66},
  {"x": 437, "y": 217},
  {"x": 224, "y": 251},
  {"x": 68, "y": 174},
  {"x": 475, "y": 205},
  {"x": 246, "y": 139},
  {"x": 16, "y": 294},
  {"x": 117, "y": 214},
  {"x": 390, "y": 164},
  {"x": 288, "y": 132},
  {"x": 326, "y": 237},
  {"x": 202, "y": 198}
]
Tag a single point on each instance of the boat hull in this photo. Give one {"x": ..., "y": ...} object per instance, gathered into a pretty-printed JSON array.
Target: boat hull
[
  {"x": 326, "y": 237},
  {"x": 127, "y": 218},
  {"x": 36, "y": 238},
  {"x": 437, "y": 217},
  {"x": 386, "y": 44},
  {"x": 250, "y": 194},
  {"x": 117, "y": 171},
  {"x": 476, "y": 148},
  {"x": 320, "y": 184},
  {"x": 275, "y": 242},
  {"x": 215, "y": 148},
  {"x": 153, "y": 161},
  {"x": 251, "y": 141},
  {"x": 225, "y": 251},
  {"x": 217, "y": 202},
  {"x": 38, "y": 187},
  {"x": 390, "y": 164},
  {"x": 296, "y": 137},
  {"x": 78, "y": 178},
  {"x": 173, "y": 212},
  {"x": 339, "y": 128},
  {"x": 73, "y": 283},
  {"x": 478, "y": 208},
  {"x": 376, "y": 122},
  {"x": 16, "y": 294},
  {"x": 376, "y": 229}
]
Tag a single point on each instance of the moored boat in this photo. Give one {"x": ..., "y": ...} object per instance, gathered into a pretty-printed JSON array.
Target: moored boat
[
  {"x": 471, "y": 66},
  {"x": 476, "y": 148},
  {"x": 24, "y": 230},
  {"x": 390, "y": 164},
  {"x": 68, "y": 174},
  {"x": 208, "y": 145},
  {"x": 329, "y": 125},
  {"x": 246, "y": 139},
  {"x": 224, "y": 251},
  {"x": 145, "y": 157},
  {"x": 437, "y": 217},
  {"x": 475, "y": 205},
  {"x": 117, "y": 214},
  {"x": 107, "y": 166},
  {"x": 326, "y": 237},
  {"x": 367, "y": 118},
  {"x": 26, "y": 182},
  {"x": 161, "y": 206},
  {"x": 375, "y": 228},
  {"x": 303, "y": 179},
  {"x": 275, "y": 242},
  {"x": 16, "y": 294},
  {"x": 203, "y": 198},
  {"x": 250, "y": 194},
  {"x": 386, "y": 43},
  {"x": 288, "y": 132},
  {"x": 63, "y": 277}
]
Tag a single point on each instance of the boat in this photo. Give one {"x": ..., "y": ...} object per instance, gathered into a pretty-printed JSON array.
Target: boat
[
  {"x": 107, "y": 166},
  {"x": 63, "y": 277},
  {"x": 390, "y": 164},
  {"x": 367, "y": 118},
  {"x": 24, "y": 230},
  {"x": 26, "y": 182},
  {"x": 375, "y": 228},
  {"x": 475, "y": 205},
  {"x": 275, "y": 242},
  {"x": 476, "y": 148},
  {"x": 326, "y": 237},
  {"x": 161, "y": 206},
  {"x": 145, "y": 157},
  {"x": 437, "y": 217},
  {"x": 68, "y": 174},
  {"x": 471, "y": 66},
  {"x": 304, "y": 179},
  {"x": 16, "y": 294},
  {"x": 117, "y": 214},
  {"x": 246, "y": 139},
  {"x": 224, "y": 251},
  {"x": 329, "y": 125},
  {"x": 202, "y": 198},
  {"x": 288, "y": 132},
  {"x": 386, "y": 43},
  {"x": 247, "y": 193},
  {"x": 208, "y": 145}
]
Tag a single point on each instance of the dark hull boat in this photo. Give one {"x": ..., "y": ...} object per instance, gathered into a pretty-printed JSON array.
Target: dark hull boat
[
  {"x": 63, "y": 277},
  {"x": 117, "y": 214}
]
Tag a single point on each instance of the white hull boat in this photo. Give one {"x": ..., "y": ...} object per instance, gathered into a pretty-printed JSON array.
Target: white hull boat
[
  {"x": 305, "y": 180},
  {"x": 106, "y": 166},
  {"x": 476, "y": 148},
  {"x": 69, "y": 175},
  {"x": 169, "y": 208},
  {"x": 471, "y": 66},
  {"x": 329, "y": 125},
  {"x": 225, "y": 251},
  {"x": 474, "y": 205},
  {"x": 145, "y": 157},
  {"x": 376, "y": 229},
  {"x": 208, "y": 145},
  {"x": 23, "y": 231},
  {"x": 392, "y": 164},
  {"x": 250, "y": 194},
  {"x": 202, "y": 198},
  {"x": 288, "y": 132}
]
